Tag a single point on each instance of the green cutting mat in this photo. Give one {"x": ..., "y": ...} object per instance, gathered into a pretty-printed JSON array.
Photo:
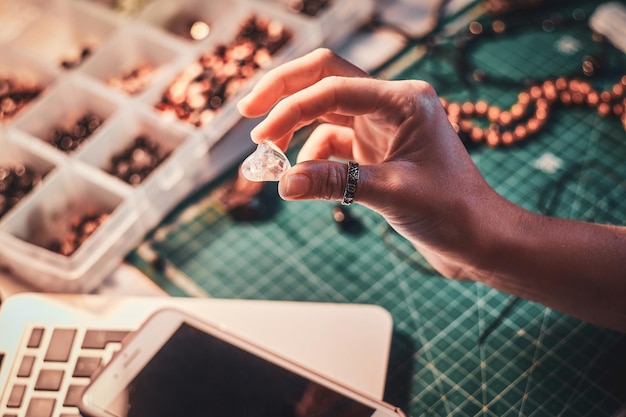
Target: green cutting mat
[{"x": 536, "y": 361}]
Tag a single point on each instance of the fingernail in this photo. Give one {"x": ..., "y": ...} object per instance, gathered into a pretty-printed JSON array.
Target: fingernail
[
  {"x": 255, "y": 136},
  {"x": 293, "y": 186},
  {"x": 243, "y": 102}
]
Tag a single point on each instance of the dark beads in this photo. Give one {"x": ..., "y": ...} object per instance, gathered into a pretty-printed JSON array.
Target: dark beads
[
  {"x": 74, "y": 62},
  {"x": 308, "y": 7},
  {"x": 15, "y": 182},
  {"x": 81, "y": 227},
  {"x": 14, "y": 96},
  {"x": 68, "y": 140},
  {"x": 137, "y": 161},
  {"x": 592, "y": 65}
]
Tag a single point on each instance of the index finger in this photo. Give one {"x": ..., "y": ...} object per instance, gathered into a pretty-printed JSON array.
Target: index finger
[
  {"x": 294, "y": 76},
  {"x": 337, "y": 95}
]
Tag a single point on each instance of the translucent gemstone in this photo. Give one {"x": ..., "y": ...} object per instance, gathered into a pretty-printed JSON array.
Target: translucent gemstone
[{"x": 266, "y": 163}]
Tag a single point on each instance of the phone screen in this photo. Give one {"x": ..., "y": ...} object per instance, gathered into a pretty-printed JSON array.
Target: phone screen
[{"x": 196, "y": 374}]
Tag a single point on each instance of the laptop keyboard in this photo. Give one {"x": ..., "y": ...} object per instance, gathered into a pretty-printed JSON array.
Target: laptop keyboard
[{"x": 53, "y": 367}]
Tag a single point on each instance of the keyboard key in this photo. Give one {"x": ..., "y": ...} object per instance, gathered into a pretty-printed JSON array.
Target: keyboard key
[
  {"x": 86, "y": 366},
  {"x": 26, "y": 367},
  {"x": 73, "y": 396},
  {"x": 17, "y": 394},
  {"x": 74, "y": 393},
  {"x": 49, "y": 380},
  {"x": 35, "y": 337},
  {"x": 60, "y": 345},
  {"x": 40, "y": 407},
  {"x": 98, "y": 339}
]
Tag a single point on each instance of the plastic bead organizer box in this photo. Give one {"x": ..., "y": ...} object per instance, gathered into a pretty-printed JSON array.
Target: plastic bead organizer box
[{"x": 110, "y": 119}]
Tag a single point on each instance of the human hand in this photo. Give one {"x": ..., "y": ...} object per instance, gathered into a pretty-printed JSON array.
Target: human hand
[
  {"x": 417, "y": 174},
  {"x": 414, "y": 170}
]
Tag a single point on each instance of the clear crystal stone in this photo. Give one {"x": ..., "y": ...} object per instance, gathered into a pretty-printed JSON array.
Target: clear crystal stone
[{"x": 266, "y": 163}]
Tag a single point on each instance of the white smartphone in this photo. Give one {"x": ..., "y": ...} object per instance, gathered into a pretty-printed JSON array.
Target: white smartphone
[{"x": 179, "y": 365}]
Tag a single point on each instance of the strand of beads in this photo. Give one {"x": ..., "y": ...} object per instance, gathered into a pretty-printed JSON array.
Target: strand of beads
[{"x": 531, "y": 111}]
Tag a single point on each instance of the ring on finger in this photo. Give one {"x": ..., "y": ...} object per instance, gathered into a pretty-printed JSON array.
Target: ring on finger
[{"x": 351, "y": 183}]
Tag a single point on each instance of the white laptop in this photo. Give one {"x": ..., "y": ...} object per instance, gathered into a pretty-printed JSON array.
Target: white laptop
[{"x": 50, "y": 345}]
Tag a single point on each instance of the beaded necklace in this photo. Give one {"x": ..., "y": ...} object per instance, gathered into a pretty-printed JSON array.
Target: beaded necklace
[{"x": 532, "y": 109}]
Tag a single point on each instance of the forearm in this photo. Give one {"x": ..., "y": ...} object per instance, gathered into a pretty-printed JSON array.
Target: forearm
[{"x": 574, "y": 267}]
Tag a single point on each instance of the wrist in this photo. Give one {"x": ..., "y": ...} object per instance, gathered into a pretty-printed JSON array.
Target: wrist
[
  {"x": 475, "y": 228},
  {"x": 499, "y": 232}
]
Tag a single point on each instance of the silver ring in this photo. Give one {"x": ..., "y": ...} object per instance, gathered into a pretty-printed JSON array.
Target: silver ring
[{"x": 351, "y": 183}]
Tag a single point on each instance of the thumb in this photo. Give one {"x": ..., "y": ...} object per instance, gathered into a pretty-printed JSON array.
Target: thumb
[{"x": 315, "y": 180}]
